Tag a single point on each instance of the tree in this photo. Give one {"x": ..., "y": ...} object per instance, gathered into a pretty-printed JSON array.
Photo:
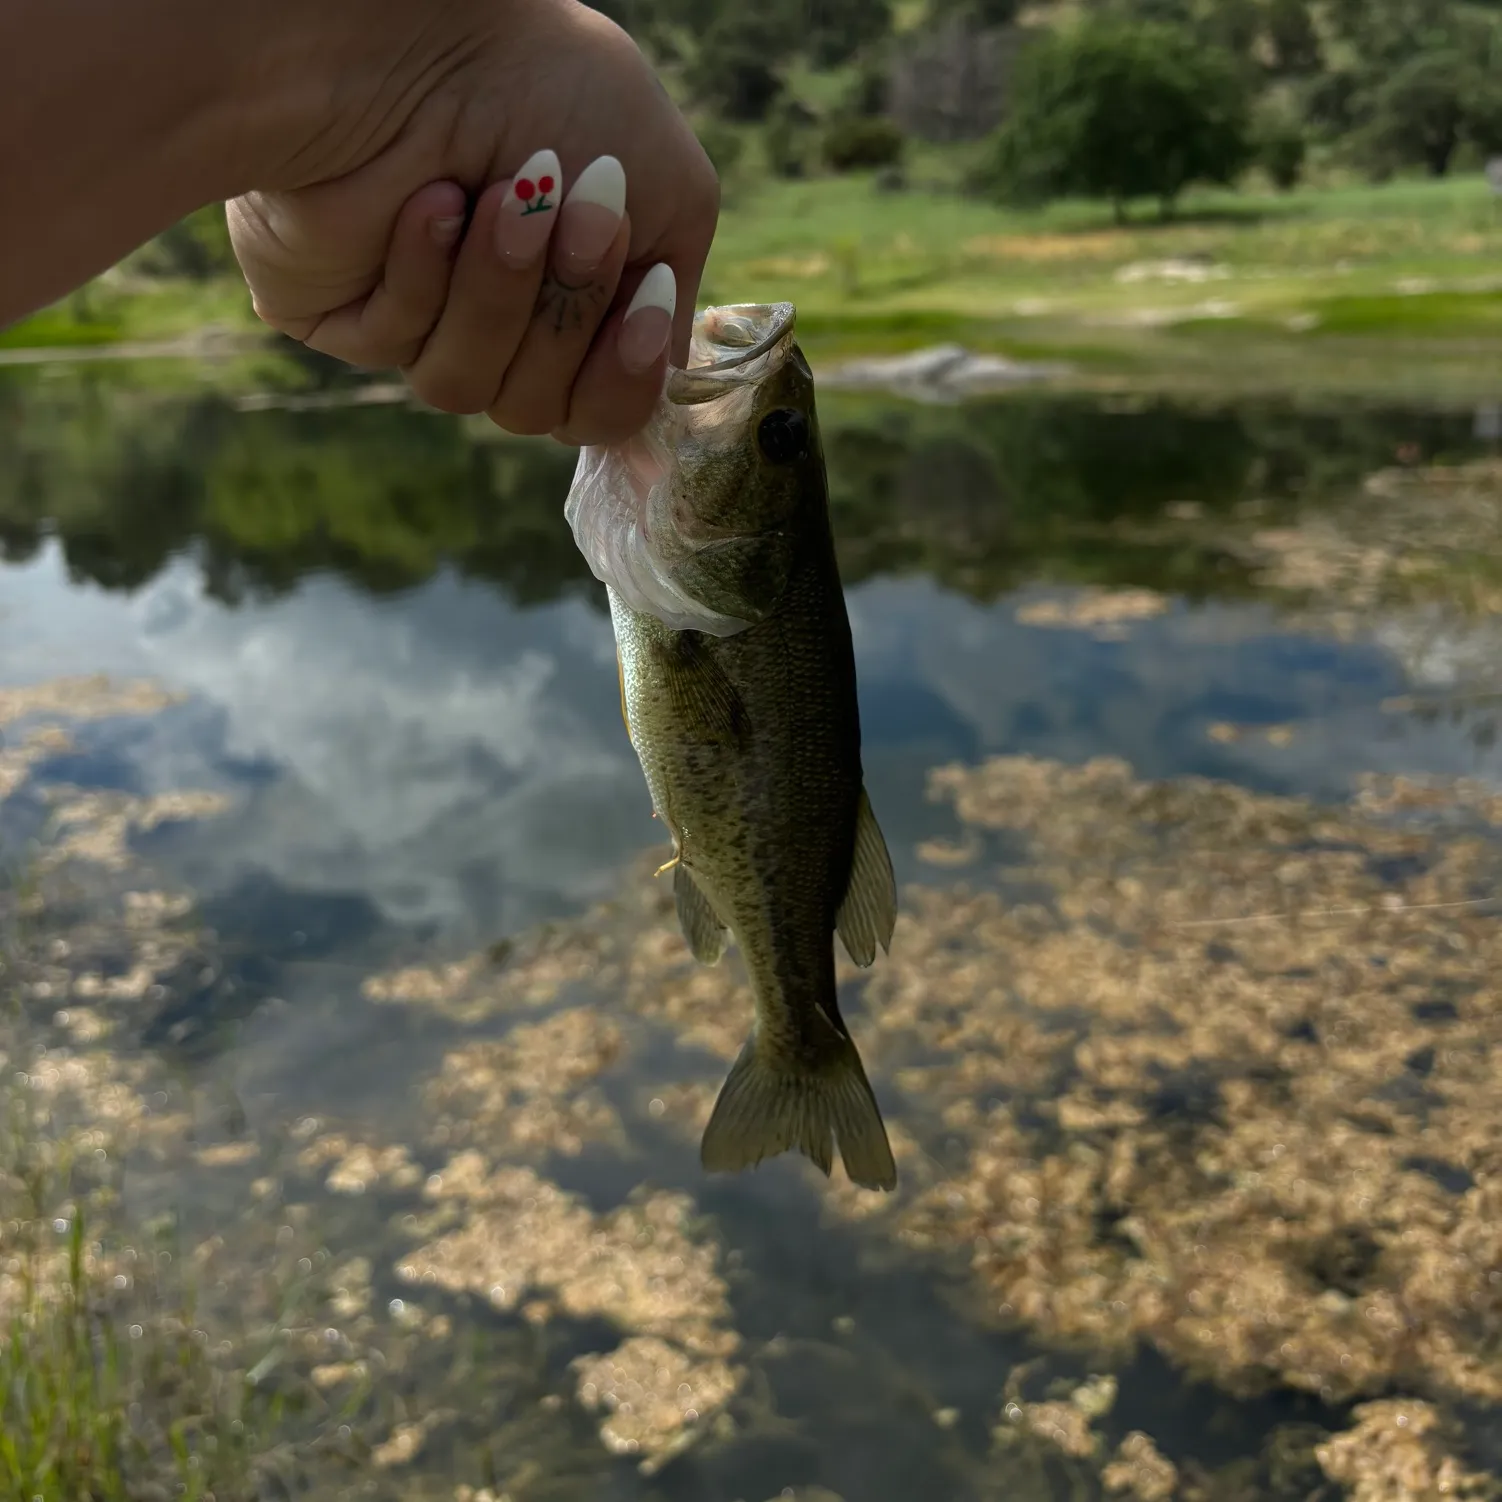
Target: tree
[
  {"x": 1484, "y": 111},
  {"x": 982, "y": 14},
  {"x": 1121, "y": 109},
  {"x": 1281, "y": 149},
  {"x": 1293, "y": 39},
  {"x": 1278, "y": 35},
  {"x": 1385, "y": 33},
  {"x": 834, "y": 31},
  {"x": 1418, "y": 112},
  {"x": 789, "y": 138},
  {"x": 1425, "y": 107},
  {"x": 735, "y": 71},
  {"x": 1235, "y": 26}
]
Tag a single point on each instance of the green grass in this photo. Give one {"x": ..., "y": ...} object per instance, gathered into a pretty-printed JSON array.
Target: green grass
[
  {"x": 104, "y": 1395},
  {"x": 1455, "y": 220},
  {"x": 138, "y": 308},
  {"x": 108, "y": 1392},
  {"x": 1329, "y": 285},
  {"x": 1323, "y": 274}
]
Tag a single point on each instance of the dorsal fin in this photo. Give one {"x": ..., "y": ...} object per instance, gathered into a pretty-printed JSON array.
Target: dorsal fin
[{"x": 868, "y": 914}]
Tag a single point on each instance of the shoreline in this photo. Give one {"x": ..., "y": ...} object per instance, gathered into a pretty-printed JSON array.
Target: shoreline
[{"x": 945, "y": 372}]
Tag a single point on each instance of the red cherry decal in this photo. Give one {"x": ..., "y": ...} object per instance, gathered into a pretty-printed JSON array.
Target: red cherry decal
[
  {"x": 525, "y": 189},
  {"x": 544, "y": 184}
]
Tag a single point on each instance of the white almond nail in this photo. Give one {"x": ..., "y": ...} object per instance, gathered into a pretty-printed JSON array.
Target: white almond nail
[
  {"x": 602, "y": 182},
  {"x": 658, "y": 289}
]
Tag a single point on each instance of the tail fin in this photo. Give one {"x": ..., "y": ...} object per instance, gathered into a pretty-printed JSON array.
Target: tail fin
[{"x": 770, "y": 1105}]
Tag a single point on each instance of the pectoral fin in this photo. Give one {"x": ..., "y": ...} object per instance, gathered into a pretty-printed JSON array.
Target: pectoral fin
[
  {"x": 868, "y": 914},
  {"x": 700, "y": 923},
  {"x": 705, "y": 702}
]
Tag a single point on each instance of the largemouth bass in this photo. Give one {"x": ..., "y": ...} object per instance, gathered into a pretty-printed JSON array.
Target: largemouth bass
[{"x": 711, "y": 531}]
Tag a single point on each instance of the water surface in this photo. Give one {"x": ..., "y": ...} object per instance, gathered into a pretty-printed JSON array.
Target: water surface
[{"x": 391, "y": 666}]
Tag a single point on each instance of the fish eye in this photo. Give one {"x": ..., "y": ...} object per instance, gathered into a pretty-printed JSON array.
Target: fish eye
[{"x": 782, "y": 435}]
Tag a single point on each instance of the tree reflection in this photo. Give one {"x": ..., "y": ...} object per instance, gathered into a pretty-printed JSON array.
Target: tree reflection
[{"x": 980, "y": 497}]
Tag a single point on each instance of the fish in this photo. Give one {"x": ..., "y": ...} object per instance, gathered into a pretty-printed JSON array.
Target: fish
[{"x": 711, "y": 531}]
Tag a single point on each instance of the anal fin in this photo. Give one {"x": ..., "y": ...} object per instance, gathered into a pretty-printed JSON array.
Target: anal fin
[
  {"x": 868, "y": 914},
  {"x": 700, "y": 923}
]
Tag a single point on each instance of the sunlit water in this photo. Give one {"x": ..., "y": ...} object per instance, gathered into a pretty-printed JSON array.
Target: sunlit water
[{"x": 400, "y": 677}]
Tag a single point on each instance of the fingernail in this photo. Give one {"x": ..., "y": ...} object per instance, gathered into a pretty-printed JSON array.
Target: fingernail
[
  {"x": 446, "y": 231},
  {"x": 648, "y": 323},
  {"x": 527, "y": 216},
  {"x": 591, "y": 215}
]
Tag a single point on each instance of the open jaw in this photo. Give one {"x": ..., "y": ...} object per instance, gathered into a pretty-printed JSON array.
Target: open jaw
[
  {"x": 738, "y": 345},
  {"x": 631, "y": 526}
]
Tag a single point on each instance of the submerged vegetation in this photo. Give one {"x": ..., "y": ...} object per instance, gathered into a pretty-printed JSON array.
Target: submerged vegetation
[
  {"x": 1192, "y": 1077},
  {"x": 107, "y": 1388},
  {"x": 1191, "y": 1090}
]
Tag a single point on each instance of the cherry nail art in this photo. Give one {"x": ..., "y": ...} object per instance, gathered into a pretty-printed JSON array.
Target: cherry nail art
[
  {"x": 526, "y": 218},
  {"x": 534, "y": 195}
]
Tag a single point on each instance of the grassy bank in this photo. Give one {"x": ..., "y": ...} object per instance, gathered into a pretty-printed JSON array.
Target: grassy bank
[
  {"x": 1346, "y": 286},
  {"x": 1280, "y": 286},
  {"x": 120, "y": 308}
]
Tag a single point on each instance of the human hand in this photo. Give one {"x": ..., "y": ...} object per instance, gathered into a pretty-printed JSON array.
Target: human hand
[{"x": 548, "y": 311}]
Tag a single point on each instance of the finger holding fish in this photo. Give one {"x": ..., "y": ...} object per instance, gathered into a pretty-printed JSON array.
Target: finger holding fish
[
  {"x": 621, "y": 377},
  {"x": 579, "y": 280},
  {"x": 465, "y": 359}
]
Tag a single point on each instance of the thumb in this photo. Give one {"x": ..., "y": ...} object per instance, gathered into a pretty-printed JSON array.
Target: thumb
[{"x": 307, "y": 252}]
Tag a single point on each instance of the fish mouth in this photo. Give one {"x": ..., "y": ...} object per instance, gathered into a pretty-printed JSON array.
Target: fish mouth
[
  {"x": 633, "y": 528},
  {"x": 736, "y": 345}
]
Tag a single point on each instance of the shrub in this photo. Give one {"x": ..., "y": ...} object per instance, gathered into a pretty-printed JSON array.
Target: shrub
[
  {"x": 735, "y": 69},
  {"x": 1281, "y": 149},
  {"x": 855, "y": 142},
  {"x": 789, "y": 138},
  {"x": 722, "y": 144}
]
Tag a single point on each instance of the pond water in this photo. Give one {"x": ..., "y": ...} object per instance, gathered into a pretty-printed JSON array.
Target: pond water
[{"x": 423, "y": 926}]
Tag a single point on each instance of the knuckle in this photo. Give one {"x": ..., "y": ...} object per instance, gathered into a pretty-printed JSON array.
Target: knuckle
[
  {"x": 413, "y": 322},
  {"x": 363, "y": 350},
  {"x": 399, "y": 356},
  {"x": 447, "y": 393},
  {"x": 335, "y": 348},
  {"x": 301, "y": 329},
  {"x": 397, "y": 328},
  {"x": 530, "y": 419}
]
